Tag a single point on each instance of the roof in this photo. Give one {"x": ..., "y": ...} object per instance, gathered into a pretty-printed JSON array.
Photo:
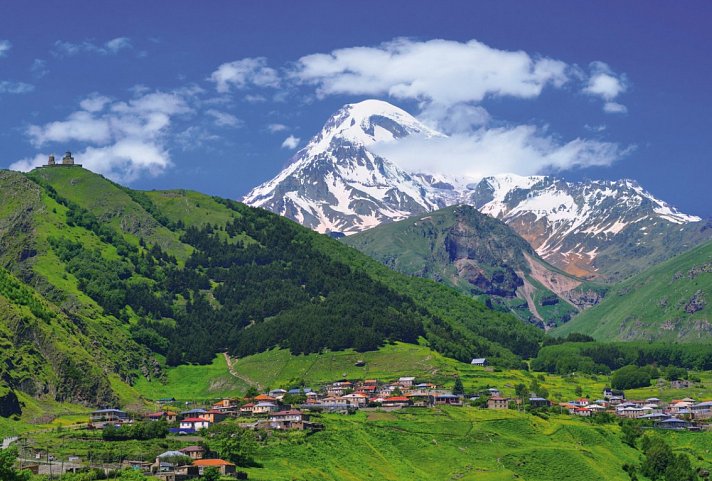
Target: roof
[
  {"x": 264, "y": 397},
  {"x": 212, "y": 462},
  {"x": 195, "y": 420},
  {"x": 406, "y": 379},
  {"x": 171, "y": 454},
  {"x": 108, "y": 411},
  {"x": 194, "y": 411},
  {"x": 674, "y": 421},
  {"x": 192, "y": 449},
  {"x": 291, "y": 412},
  {"x": 479, "y": 360},
  {"x": 397, "y": 399}
]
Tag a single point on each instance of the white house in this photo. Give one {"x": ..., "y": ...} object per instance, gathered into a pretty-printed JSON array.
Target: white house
[{"x": 195, "y": 424}]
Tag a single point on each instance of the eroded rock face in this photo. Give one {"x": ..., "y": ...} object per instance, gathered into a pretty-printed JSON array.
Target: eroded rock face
[
  {"x": 10, "y": 405},
  {"x": 696, "y": 303}
]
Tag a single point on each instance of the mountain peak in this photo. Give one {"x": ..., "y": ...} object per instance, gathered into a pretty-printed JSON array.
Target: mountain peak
[{"x": 367, "y": 122}]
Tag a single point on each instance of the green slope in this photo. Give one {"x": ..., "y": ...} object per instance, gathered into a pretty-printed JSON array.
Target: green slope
[
  {"x": 478, "y": 255},
  {"x": 667, "y": 302},
  {"x": 136, "y": 281}
]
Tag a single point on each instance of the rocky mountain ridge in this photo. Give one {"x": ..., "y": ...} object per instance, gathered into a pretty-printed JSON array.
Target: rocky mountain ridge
[{"x": 598, "y": 229}]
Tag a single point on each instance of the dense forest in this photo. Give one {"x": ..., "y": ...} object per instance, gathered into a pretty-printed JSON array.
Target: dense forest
[{"x": 591, "y": 357}]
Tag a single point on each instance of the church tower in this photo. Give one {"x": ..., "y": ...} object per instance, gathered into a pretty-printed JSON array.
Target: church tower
[{"x": 68, "y": 159}]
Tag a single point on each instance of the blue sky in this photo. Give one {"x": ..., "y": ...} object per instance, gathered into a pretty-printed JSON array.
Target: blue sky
[{"x": 217, "y": 96}]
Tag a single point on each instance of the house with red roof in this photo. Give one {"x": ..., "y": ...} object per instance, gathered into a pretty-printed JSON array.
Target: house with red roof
[
  {"x": 396, "y": 402},
  {"x": 225, "y": 467}
]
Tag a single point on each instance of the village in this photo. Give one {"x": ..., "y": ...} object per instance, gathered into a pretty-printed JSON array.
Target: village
[{"x": 299, "y": 409}]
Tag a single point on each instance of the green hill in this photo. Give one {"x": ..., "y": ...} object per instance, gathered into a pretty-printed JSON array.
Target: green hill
[
  {"x": 667, "y": 302},
  {"x": 130, "y": 282},
  {"x": 480, "y": 256}
]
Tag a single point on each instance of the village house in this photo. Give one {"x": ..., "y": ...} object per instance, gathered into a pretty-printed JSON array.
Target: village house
[
  {"x": 496, "y": 402},
  {"x": 339, "y": 388},
  {"x": 291, "y": 419},
  {"x": 193, "y": 413},
  {"x": 358, "y": 400},
  {"x": 277, "y": 393},
  {"x": 702, "y": 410},
  {"x": 264, "y": 408},
  {"x": 108, "y": 416},
  {"x": 539, "y": 402},
  {"x": 195, "y": 452},
  {"x": 406, "y": 382},
  {"x": 681, "y": 406},
  {"x": 167, "y": 462},
  {"x": 479, "y": 361},
  {"x": 247, "y": 409},
  {"x": 214, "y": 416},
  {"x": 421, "y": 398},
  {"x": 680, "y": 384},
  {"x": 673, "y": 424},
  {"x": 225, "y": 405},
  {"x": 225, "y": 467},
  {"x": 167, "y": 416},
  {"x": 396, "y": 402},
  {"x": 596, "y": 408},
  {"x": 194, "y": 424},
  {"x": 449, "y": 399}
]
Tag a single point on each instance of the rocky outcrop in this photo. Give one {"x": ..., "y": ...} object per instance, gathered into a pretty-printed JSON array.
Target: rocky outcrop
[
  {"x": 696, "y": 303},
  {"x": 10, "y": 405}
]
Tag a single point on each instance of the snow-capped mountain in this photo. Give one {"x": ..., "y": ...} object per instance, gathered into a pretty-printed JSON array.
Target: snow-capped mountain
[
  {"x": 591, "y": 227},
  {"x": 337, "y": 184}
]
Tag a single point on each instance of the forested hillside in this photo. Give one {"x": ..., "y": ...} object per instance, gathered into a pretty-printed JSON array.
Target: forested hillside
[{"x": 146, "y": 278}]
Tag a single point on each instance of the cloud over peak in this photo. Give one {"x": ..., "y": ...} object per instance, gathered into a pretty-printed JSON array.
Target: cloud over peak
[{"x": 438, "y": 71}]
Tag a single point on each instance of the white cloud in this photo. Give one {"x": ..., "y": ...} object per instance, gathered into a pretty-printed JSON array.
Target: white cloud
[
  {"x": 522, "y": 149},
  {"x": 117, "y": 44},
  {"x": 243, "y": 73},
  {"x": 291, "y": 142},
  {"x": 438, "y": 71},
  {"x": 8, "y": 87},
  {"x": 255, "y": 98},
  {"x": 614, "y": 108},
  {"x": 223, "y": 119},
  {"x": 123, "y": 139},
  {"x": 604, "y": 83},
  {"x": 274, "y": 128},
  {"x": 456, "y": 118},
  {"x": 5, "y": 47},
  {"x": 94, "y": 102},
  {"x": 39, "y": 68},
  {"x": 111, "y": 47}
]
